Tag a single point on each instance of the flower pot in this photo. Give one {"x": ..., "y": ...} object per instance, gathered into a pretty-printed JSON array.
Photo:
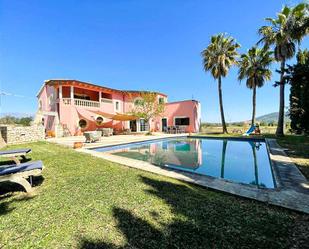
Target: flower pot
[{"x": 77, "y": 145}]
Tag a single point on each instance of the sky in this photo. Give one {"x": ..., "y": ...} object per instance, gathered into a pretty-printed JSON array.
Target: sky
[{"x": 140, "y": 45}]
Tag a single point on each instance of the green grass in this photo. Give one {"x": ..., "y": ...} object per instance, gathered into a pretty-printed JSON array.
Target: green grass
[{"x": 86, "y": 202}]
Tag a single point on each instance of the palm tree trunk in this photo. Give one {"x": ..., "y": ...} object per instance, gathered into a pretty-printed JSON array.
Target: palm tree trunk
[
  {"x": 256, "y": 173},
  {"x": 224, "y": 129},
  {"x": 223, "y": 157},
  {"x": 253, "y": 105},
  {"x": 280, "y": 127}
]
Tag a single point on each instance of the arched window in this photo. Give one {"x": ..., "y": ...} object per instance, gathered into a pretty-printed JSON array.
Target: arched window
[
  {"x": 99, "y": 120},
  {"x": 82, "y": 123}
]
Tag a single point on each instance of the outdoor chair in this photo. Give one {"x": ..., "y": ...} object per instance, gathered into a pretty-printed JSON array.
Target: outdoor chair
[
  {"x": 92, "y": 136},
  {"x": 173, "y": 130},
  {"x": 14, "y": 154},
  {"x": 182, "y": 129},
  {"x": 107, "y": 132},
  {"x": 126, "y": 131},
  {"x": 19, "y": 173}
]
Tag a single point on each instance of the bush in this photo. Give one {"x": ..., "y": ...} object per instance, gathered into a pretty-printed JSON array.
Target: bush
[{"x": 24, "y": 121}]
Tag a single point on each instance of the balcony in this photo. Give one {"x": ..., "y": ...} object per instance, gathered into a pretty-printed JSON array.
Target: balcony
[
  {"x": 106, "y": 100},
  {"x": 81, "y": 102}
]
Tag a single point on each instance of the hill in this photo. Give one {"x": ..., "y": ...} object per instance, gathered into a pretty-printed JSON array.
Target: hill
[
  {"x": 16, "y": 114},
  {"x": 272, "y": 117}
]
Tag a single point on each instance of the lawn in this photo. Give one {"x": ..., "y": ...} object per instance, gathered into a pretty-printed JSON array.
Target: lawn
[{"x": 86, "y": 202}]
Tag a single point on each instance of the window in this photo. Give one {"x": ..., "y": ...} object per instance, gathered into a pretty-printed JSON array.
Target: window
[
  {"x": 182, "y": 121},
  {"x": 40, "y": 105},
  {"x": 143, "y": 125},
  {"x": 161, "y": 100},
  {"x": 99, "y": 120},
  {"x": 117, "y": 105},
  {"x": 138, "y": 102},
  {"x": 50, "y": 99},
  {"x": 82, "y": 123}
]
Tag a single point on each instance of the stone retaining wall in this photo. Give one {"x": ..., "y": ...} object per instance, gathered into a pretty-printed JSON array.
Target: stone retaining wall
[{"x": 22, "y": 134}]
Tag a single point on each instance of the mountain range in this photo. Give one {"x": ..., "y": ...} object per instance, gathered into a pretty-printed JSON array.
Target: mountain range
[
  {"x": 272, "y": 117},
  {"x": 16, "y": 114}
]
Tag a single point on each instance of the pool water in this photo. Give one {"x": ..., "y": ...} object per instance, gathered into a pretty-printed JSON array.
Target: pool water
[{"x": 240, "y": 161}]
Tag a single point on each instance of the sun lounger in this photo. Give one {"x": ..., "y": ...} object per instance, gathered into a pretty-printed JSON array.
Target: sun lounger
[
  {"x": 107, "y": 132},
  {"x": 92, "y": 136},
  {"x": 20, "y": 173},
  {"x": 13, "y": 154},
  {"x": 249, "y": 131}
]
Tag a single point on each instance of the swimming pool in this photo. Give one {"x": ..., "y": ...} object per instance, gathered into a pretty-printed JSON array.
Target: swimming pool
[{"x": 242, "y": 161}]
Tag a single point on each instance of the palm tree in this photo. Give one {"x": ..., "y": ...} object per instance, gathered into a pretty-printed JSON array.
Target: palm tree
[
  {"x": 218, "y": 57},
  {"x": 254, "y": 67},
  {"x": 283, "y": 32}
]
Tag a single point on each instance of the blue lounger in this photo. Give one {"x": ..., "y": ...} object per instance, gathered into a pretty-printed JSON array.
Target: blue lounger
[
  {"x": 19, "y": 173},
  {"x": 248, "y": 132},
  {"x": 13, "y": 154}
]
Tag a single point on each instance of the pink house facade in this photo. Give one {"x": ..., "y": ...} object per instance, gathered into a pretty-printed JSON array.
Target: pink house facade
[{"x": 78, "y": 106}]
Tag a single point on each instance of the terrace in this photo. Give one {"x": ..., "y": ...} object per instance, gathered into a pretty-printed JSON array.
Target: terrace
[{"x": 78, "y": 96}]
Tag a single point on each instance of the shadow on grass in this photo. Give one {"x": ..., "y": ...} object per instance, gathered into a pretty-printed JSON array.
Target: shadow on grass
[
  {"x": 8, "y": 161},
  {"x": 201, "y": 219},
  {"x": 5, "y": 204},
  {"x": 8, "y": 187}
]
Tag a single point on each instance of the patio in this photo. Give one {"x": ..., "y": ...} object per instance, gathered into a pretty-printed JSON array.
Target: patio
[{"x": 112, "y": 140}]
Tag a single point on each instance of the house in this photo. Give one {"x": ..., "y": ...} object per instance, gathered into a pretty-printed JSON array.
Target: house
[{"x": 74, "y": 106}]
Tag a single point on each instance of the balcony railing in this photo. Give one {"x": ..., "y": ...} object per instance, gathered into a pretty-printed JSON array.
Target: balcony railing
[
  {"x": 66, "y": 101},
  {"x": 105, "y": 100},
  {"x": 81, "y": 102}
]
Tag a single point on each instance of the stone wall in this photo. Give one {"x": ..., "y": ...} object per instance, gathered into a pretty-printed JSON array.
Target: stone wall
[{"x": 22, "y": 134}]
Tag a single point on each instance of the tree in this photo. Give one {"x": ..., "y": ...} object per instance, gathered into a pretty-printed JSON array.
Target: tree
[
  {"x": 147, "y": 106},
  {"x": 11, "y": 120},
  {"x": 218, "y": 58},
  {"x": 283, "y": 32},
  {"x": 254, "y": 67},
  {"x": 298, "y": 77}
]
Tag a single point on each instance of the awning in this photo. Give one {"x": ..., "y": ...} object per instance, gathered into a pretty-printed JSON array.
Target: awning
[
  {"x": 84, "y": 114},
  {"x": 103, "y": 114},
  {"x": 124, "y": 117}
]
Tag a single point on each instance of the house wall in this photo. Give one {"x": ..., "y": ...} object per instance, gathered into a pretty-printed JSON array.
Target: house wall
[
  {"x": 47, "y": 99},
  {"x": 189, "y": 108},
  {"x": 69, "y": 116}
]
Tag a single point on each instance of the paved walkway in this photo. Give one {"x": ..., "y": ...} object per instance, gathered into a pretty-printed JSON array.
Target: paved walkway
[{"x": 112, "y": 140}]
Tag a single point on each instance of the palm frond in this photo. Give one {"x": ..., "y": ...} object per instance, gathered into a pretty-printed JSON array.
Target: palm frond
[{"x": 220, "y": 55}]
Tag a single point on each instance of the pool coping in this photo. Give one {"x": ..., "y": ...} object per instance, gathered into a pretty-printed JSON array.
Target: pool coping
[{"x": 292, "y": 188}]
